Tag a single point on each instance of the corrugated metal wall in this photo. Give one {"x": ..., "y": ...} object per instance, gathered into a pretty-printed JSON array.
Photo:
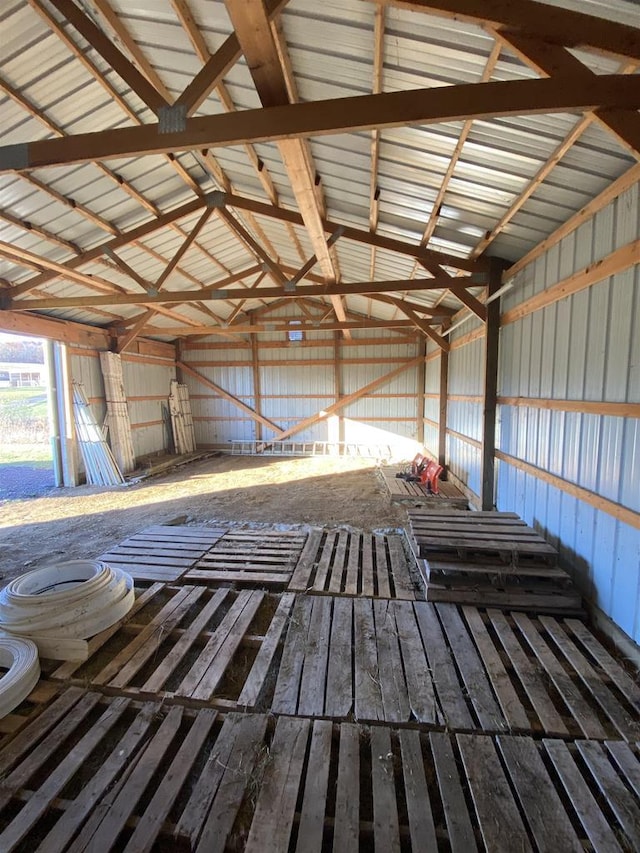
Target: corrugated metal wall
[
  {"x": 585, "y": 348},
  {"x": 465, "y": 404},
  {"x": 298, "y": 379}
]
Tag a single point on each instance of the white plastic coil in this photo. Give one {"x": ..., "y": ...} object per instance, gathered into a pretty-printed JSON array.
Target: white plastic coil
[
  {"x": 20, "y": 658},
  {"x": 75, "y": 599}
]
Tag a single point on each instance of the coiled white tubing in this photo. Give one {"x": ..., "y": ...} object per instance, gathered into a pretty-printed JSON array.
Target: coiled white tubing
[
  {"x": 76, "y": 599},
  {"x": 20, "y": 657}
]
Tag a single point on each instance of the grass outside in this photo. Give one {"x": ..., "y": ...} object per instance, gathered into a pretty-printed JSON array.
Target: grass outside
[{"x": 24, "y": 426}]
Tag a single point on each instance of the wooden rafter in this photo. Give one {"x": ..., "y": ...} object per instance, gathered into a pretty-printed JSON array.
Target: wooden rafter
[
  {"x": 125, "y": 341},
  {"x": 139, "y": 83},
  {"x": 264, "y": 54},
  {"x": 390, "y": 244},
  {"x": 517, "y": 44},
  {"x": 317, "y": 326},
  {"x": 218, "y": 292},
  {"x": 550, "y": 23},
  {"x": 183, "y": 249},
  {"x": 338, "y": 115},
  {"x": 556, "y": 61}
]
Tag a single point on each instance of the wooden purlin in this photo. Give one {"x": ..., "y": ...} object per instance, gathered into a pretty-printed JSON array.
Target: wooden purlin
[{"x": 117, "y": 419}]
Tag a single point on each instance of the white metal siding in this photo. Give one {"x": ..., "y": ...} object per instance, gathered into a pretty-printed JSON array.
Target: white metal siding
[{"x": 584, "y": 348}]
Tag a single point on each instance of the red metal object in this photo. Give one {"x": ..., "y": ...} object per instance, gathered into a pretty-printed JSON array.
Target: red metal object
[{"x": 424, "y": 471}]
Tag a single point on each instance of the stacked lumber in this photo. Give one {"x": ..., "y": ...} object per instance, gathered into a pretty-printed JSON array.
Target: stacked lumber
[
  {"x": 184, "y": 438},
  {"x": 491, "y": 559},
  {"x": 117, "y": 420}
]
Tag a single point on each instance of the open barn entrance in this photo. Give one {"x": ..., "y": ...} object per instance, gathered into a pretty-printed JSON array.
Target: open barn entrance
[{"x": 26, "y": 463}]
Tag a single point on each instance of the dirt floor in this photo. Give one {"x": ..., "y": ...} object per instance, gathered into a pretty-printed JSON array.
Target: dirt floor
[{"x": 79, "y": 523}]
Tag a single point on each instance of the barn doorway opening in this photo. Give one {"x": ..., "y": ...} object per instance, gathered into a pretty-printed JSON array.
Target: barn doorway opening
[{"x": 26, "y": 456}]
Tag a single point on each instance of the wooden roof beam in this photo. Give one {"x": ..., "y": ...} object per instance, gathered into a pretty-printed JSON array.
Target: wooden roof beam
[
  {"x": 102, "y": 44},
  {"x": 550, "y": 23},
  {"x": 337, "y": 115},
  {"x": 220, "y": 292}
]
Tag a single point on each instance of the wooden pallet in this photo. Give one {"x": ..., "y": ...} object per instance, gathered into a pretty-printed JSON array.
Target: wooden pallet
[
  {"x": 398, "y": 662},
  {"x": 188, "y": 644},
  {"x": 490, "y": 559},
  {"x": 400, "y": 491},
  {"x": 503, "y": 536},
  {"x": 90, "y": 774},
  {"x": 249, "y": 557},
  {"x": 352, "y": 562},
  {"x": 27, "y": 710},
  {"x": 162, "y": 552}
]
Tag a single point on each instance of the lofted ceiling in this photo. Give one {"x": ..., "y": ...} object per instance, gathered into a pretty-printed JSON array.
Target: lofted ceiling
[{"x": 180, "y": 167}]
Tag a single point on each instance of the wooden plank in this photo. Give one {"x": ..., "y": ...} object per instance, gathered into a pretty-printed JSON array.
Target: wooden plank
[
  {"x": 559, "y": 602},
  {"x": 155, "y": 628},
  {"x": 132, "y": 664},
  {"x": 402, "y": 582},
  {"x": 542, "y": 807},
  {"x": 123, "y": 754},
  {"x": 113, "y": 823},
  {"x": 529, "y": 677},
  {"x": 596, "y": 825},
  {"x": 35, "y": 758},
  {"x": 337, "y": 566},
  {"x": 386, "y": 830},
  {"x": 199, "y": 803},
  {"x": 420, "y": 817},
  {"x": 367, "y": 680},
  {"x": 624, "y": 683},
  {"x": 150, "y": 824},
  {"x": 500, "y": 823},
  {"x": 220, "y": 650},
  {"x": 316, "y": 653},
  {"x": 237, "y": 577},
  {"x": 422, "y": 699},
  {"x": 346, "y": 829},
  {"x": 382, "y": 568},
  {"x": 353, "y": 562},
  {"x": 312, "y": 813},
  {"x": 393, "y": 688},
  {"x": 262, "y": 664},
  {"x": 512, "y": 708},
  {"x": 301, "y": 578},
  {"x": 582, "y": 713},
  {"x": 367, "y": 565},
  {"x": 171, "y": 660},
  {"x": 470, "y": 666},
  {"x": 40, "y": 800},
  {"x": 628, "y": 727},
  {"x": 627, "y": 763},
  {"x": 276, "y": 804},
  {"x": 443, "y": 570},
  {"x": 285, "y": 698},
  {"x": 236, "y": 775},
  {"x": 619, "y": 799},
  {"x": 463, "y": 517},
  {"x": 339, "y": 698},
  {"x": 459, "y": 827},
  {"x": 441, "y": 667},
  {"x": 325, "y": 560},
  {"x": 26, "y": 740}
]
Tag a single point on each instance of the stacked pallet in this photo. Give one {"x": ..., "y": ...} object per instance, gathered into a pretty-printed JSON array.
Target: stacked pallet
[{"x": 491, "y": 559}]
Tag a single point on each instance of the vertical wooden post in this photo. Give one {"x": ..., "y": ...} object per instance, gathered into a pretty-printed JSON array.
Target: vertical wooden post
[
  {"x": 257, "y": 390},
  {"x": 492, "y": 334},
  {"x": 337, "y": 381},
  {"x": 442, "y": 409},
  {"x": 420, "y": 390}
]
